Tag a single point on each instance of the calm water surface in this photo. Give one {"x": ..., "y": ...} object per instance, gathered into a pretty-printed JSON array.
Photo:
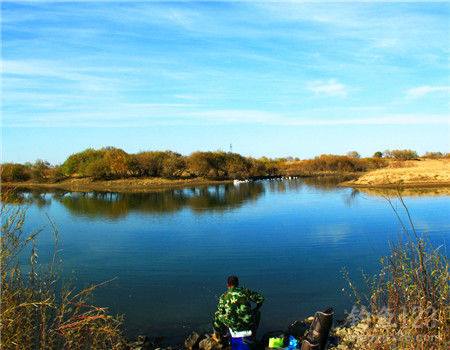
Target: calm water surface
[{"x": 171, "y": 251}]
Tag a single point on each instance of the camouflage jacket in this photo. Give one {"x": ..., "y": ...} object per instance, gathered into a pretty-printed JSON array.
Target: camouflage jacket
[{"x": 234, "y": 309}]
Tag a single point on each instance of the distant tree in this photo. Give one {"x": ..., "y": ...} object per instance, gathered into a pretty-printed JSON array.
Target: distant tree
[
  {"x": 99, "y": 169},
  {"x": 173, "y": 165},
  {"x": 353, "y": 154},
  {"x": 434, "y": 155},
  {"x": 378, "y": 154},
  {"x": 56, "y": 174},
  {"x": 117, "y": 161},
  {"x": 237, "y": 166},
  {"x": 159, "y": 164},
  {"x": 207, "y": 164},
  {"x": 39, "y": 170},
  {"x": 77, "y": 163},
  {"x": 401, "y": 154}
]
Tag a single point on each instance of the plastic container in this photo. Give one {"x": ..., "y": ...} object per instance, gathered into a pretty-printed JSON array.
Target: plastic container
[{"x": 276, "y": 343}]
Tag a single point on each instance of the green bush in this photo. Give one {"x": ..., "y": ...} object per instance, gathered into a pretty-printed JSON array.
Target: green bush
[
  {"x": 77, "y": 163},
  {"x": 106, "y": 163}
]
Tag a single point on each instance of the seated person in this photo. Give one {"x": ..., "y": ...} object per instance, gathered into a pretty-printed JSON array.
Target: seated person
[{"x": 235, "y": 313}]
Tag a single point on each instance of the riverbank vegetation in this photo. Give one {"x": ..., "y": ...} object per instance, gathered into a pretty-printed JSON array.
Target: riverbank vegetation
[
  {"x": 408, "y": 304},
  {"x": 111, "y": 163},
  {"x": 37, "y": 310}
]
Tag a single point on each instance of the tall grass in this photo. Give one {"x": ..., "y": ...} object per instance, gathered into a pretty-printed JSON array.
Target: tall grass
[
  {"x": 37, "y": 311},
  {"x": 408, "y": 306}
]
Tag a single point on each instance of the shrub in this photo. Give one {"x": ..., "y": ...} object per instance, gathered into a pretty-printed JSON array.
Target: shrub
[
  {"x": 158, "y": 164},
  {"x": 221, "y": 165},
  {"x": 14, "y": 172},
  {"x": 174, "y": 165},
  {"x": 353, "y": 154},
  {"x": 401, "y": 154},
  {"x": 77, "y": 163},
  {"x": 40, "y": 170},
  {"x": 378, "y": 154},
  {"x": 56, "y": 174},
  {"x": 106, "y": 163},
  {"x": 237, "y": 166},
  {"x": 98, "y": 169},
  {"x": 434, "y": 155}
]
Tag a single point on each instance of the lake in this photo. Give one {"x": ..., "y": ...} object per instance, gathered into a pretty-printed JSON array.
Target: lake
[{"x": 171, "y": 251}]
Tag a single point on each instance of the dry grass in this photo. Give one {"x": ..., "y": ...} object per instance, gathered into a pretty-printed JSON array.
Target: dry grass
[
  {"x": 37, "y": 312},
  {"x": 408, "y": 307},
  {"x": 408, "y": 173}
]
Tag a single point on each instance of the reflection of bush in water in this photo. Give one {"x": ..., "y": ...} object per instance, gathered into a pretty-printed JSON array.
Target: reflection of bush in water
[
  {"x": 14, "y": 196},
  {"x": 225, "y": 197},
  {"x": 115, "y": 205},
  {"x": 326, "y": 183},
  {"x": 323, "y": 183}
]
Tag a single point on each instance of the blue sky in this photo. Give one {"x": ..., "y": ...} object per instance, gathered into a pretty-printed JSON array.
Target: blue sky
[{"x": 272, "y": 78}]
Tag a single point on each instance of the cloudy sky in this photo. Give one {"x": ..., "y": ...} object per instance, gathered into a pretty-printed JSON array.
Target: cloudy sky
[{"x": 271, "y": 78}]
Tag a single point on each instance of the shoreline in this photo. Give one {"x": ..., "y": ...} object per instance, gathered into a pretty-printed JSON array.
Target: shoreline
[
  {"x": 394, "y": 185},
  {"x": 159, "y": 184},
  {"x": 119, "y": 185}
]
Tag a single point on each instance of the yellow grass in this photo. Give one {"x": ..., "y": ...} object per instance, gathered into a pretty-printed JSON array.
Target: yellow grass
[{"x": 424, "y": 172}]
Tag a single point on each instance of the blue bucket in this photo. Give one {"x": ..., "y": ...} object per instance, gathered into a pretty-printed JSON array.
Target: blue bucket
[{"x": 241, "y": 343}]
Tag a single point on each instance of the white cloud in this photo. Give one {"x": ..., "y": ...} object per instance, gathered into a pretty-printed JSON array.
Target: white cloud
[
  {"x": 329, "y": 87},
  {"x": 422, "y": 91}
]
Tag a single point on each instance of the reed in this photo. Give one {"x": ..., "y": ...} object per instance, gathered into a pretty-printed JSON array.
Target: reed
[
  {"x": 408, "y": 304},
  {"x": 37, "y": 310}
]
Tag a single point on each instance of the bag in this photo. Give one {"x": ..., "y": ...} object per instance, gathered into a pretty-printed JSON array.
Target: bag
[{"x": 319, "y": 330}]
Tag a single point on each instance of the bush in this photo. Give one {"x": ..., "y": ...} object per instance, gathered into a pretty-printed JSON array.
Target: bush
[
  {"x": 221, "y": 165},
  {"x": 14, "y": 172},
  {"x": 434, "y": 155},
  {"x": 378, "y": 154},
  {"x": 98, "y": 169},
  {"x": 158, "y": 164},
  {"x": 106, "y": 163},
  {"x": 401, "y": 154},
  {"x": 40, "y": 170},
  {"x": 77, "y": 163},
  {"x": 56, "y": 174},
  {"x": 353, "y": 154}
]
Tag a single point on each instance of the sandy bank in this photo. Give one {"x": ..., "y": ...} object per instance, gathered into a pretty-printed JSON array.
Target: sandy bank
[{"x": 413, "y": 173}]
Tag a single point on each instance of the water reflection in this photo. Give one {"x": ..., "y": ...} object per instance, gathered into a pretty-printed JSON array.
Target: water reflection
[
  {"x": 116, "y": 205},
  {"x": 217, "y": 198},
  {"x": 407, "y": 192}
]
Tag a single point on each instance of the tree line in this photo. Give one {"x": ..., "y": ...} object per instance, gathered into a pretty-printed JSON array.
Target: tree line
[{"x": 114, "y": 163}]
